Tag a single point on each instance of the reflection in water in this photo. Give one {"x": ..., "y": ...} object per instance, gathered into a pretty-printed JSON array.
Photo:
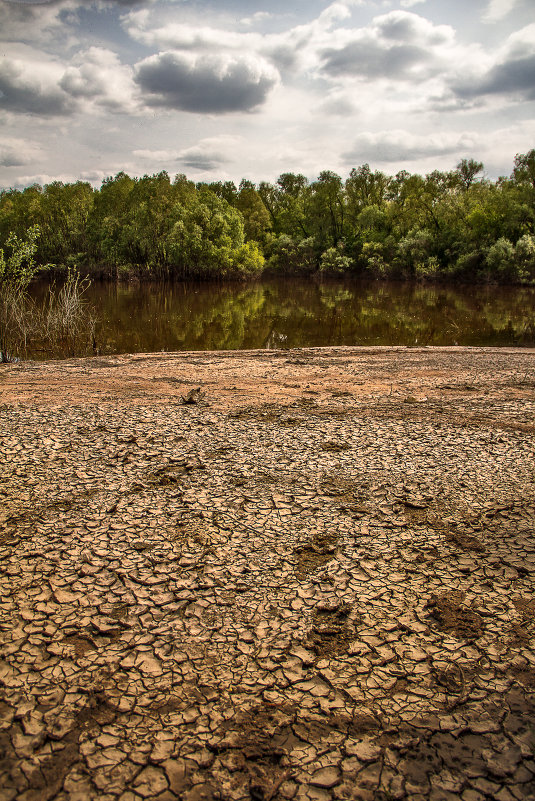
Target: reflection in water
[{"x": 301, "y": 313}]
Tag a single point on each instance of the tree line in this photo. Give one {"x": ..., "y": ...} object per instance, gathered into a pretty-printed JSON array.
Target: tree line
[{"x": 454, "y": 225}]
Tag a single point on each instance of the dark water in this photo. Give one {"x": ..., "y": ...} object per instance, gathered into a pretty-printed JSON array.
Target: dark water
[{"x": 301, "y": 313}]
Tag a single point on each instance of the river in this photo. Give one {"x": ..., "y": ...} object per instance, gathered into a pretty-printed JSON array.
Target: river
[{"x": 293, "y": 313}]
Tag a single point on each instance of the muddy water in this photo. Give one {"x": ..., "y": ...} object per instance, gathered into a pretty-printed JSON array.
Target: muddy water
[{"x": 303, "y": 313}]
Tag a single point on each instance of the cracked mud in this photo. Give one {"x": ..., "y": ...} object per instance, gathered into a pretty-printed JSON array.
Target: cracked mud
[{"x": 314, "y": 582}]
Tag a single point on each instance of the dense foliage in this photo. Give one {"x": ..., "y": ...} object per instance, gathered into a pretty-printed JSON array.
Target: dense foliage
[{"x": 445, "y": 225}]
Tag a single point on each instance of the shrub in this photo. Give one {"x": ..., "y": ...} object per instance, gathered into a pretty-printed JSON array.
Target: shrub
[
  {"x": 334, "y": 262},
  {"x": 16, "y": 272}
]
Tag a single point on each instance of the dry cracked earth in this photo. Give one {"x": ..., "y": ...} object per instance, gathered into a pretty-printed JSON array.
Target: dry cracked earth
[{"x": 315, "y": 583}]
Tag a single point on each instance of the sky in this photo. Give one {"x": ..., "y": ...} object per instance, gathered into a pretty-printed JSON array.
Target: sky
[{"x": 231, "y": 89}]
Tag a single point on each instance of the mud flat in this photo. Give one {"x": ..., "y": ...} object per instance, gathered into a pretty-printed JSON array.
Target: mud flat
[{"x": 318, "y": 582}]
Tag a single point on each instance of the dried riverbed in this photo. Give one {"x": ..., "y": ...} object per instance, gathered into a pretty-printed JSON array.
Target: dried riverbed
[{"x": 316, "y": 583}]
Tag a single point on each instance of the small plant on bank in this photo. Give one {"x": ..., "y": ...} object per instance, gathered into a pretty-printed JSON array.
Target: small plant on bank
[
  {"x": 16, "y": 272},
  {"x": 64, "y": 325},
  {"x": 66, "y": 321}
]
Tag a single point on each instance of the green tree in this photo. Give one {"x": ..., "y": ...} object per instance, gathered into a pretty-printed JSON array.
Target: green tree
[
  {"x": 106, "y": 220},
  {"x": 207, "y": 241},
  {"x": 524, "y": 169},
  {"x": 466, "y": 171},
  {"x": 327, "y": 210},
  {"x": 256, "y": 218}
]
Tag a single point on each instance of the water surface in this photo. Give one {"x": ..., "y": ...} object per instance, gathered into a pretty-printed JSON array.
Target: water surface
[{"x": 293, "y": 313}]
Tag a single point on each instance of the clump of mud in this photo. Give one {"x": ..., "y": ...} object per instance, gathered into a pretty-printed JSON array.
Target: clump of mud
[
  {"x": 464, "y": 541},
  {"x": 320, "y": 550},
  {"x": 333, "y": 629},
  {"x": 454, "y": 618},
  {"x": 522, "y": 632}
]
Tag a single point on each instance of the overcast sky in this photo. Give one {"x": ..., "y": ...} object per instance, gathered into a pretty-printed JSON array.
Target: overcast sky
[{"x": 225, "y": 89}]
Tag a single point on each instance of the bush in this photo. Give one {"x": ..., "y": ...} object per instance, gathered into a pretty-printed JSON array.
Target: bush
[
  {"x": 525, "y": 256},
  {"x": 16, "y": 272},
  {"x": 334, "y": 262},
  {"x": 66, "y": 323},
  {"x": 373, "y": 258},
  {"x": 502, "y": 262},
  {"x": 293, "y": 256}
]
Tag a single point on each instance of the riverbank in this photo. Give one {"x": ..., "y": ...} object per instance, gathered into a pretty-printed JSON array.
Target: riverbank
[{"x": 315, "y": 583}]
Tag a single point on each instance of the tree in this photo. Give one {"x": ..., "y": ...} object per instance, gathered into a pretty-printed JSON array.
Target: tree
[
  {"x": 467, "y": 169},
  {"x": 107, "y": 218},
  {"x": 207, "y": 240},
  {"x": 256, "y": 219},
  {"x": 366, "y": 188},
  {"x": 327, "y": 210},
  {"x": 226, "y": 190},
  {"x": 524, "y": 170}
]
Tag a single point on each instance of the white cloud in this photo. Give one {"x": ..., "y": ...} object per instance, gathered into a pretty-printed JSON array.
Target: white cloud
[
  {"x": 97, "y": 75},
  {"x": 324, "y": 83},
  {"x": 42, "y": 179},
  {"x": 259, "y": 17},
  {"x": 498, "y": 9},
  {"x": 156, "y": 155},
  {"x": 18, "y": 152}
]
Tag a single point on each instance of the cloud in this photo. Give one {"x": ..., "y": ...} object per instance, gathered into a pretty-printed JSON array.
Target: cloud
[
  {"x": 156, "y": 155},
  {"x": 411, "y": 3},
  {"x": 17, "y": 153},
  {"x": 260, "y": 16},
  {"x": 284, "y": 50},
  {"x": 209, "y": 154},
  {"x": 23, "y": 92},
  {"x": 400, "y": 46},
  {"x": 42, "y": 179},
  {"x": 99, "y": 76},
  {"x": 338, "y": 103},
  {"x": 95, "y": 78},
  {"x": 367, "y": 60},
  {"x": 400, "y": 145},
  {"x": 511, "y": 74},
  {"x": 498, "y": 9},
  {"x": 35, "y": 22},
  {"x": 205, "y": 84}
]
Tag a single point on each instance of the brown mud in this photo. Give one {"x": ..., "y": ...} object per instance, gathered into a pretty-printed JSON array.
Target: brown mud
[{"x": 312, "y": 579}]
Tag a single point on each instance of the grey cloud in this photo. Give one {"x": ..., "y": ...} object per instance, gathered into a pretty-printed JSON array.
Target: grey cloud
[
  {"x": 285, "y": 56},
  {"x": 203, "y": 163},
  {"x": 33, "y": 3},
  {"x": 9, "y": 158},
  {"x": 207, "y": 84},
  {"x": 23, "y": 96},
  {"x": 74, "y": 84},
  {"x": 398, "y": 27},
  {"x": 367, "y": 58},
  {"x": 516, "y": 76},
  {"x": 394, "y": 146},
  {"x": 404, "y": 26},
  {"x": 17, "y": 152}
]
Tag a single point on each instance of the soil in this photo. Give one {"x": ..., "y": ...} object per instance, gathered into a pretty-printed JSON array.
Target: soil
[{"x": 268, "y": 575}]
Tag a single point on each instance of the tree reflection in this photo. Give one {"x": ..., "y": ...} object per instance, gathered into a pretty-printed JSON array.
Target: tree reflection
[{"x": 280, "y": 313}]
